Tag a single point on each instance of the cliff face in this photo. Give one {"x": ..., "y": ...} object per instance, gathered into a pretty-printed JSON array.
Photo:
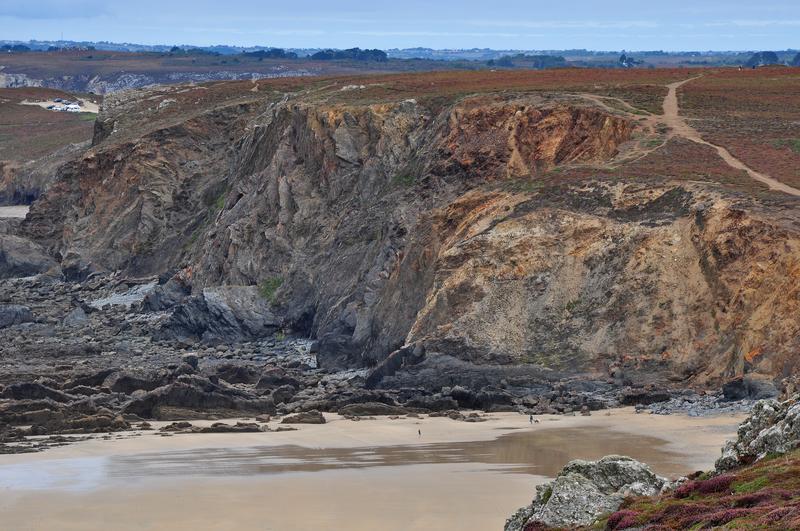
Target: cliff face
[{"x": 375, "y": 225}]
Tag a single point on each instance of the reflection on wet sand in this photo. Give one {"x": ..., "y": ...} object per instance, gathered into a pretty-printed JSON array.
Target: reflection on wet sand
[{"x": 528, "y": 452}]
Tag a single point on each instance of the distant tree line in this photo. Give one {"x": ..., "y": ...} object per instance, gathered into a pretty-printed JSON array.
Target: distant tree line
[
  {"x": 272, "y": 53},
  {"x": 521, "y": 60},
  {"x": 15, "y": 48},
  {"x": 352, "y": 54}
]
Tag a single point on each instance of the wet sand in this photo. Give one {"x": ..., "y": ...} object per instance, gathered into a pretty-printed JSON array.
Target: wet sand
[{"x": 344, "y": 475}]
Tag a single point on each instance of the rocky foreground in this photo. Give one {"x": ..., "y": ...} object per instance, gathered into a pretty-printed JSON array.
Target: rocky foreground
[{"x": 754, "y": 486}]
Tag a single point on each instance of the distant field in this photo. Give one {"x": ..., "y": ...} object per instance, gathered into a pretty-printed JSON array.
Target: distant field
[
  {"x": 91, "y": 63},
  {"x": 754, "y": 113},
  {"x": 28, "y": 132}
]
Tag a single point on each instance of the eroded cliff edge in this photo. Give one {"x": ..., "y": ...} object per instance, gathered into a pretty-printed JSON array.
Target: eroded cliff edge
[{"x": 376, "y": 225}]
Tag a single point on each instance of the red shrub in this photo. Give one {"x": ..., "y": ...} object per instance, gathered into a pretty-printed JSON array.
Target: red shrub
[
  {"x": 682, "y": 511},
  {"x": 716, "y": 484},
  {"x": 708, "y": 486},
  {"x": 781, "y": 514},
  {"x": 762, "y": 497},
  {"x": 534, "y": 526},
  {"x": 726, "y": 515},
  {"x": 616, "y": 520},
  {"x": 686, "y": 489}
]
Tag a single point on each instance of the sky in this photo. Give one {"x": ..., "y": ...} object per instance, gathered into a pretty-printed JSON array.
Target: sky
[{"x": 669, "y": 25}]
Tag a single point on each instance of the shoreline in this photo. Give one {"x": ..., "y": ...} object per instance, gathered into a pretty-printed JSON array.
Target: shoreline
[{"x": 381, "y": 431}]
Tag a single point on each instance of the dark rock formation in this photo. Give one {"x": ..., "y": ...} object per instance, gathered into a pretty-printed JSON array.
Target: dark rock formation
[
  {"x": 20, "y": 257},
  {"x": 306, "y": 417},
  {"x": 224, "y": 313},
  {"x": 14, "y": 314}
]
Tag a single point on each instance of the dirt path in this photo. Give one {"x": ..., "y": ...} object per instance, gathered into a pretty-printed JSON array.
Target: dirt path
[{"x": 679, "y": 127}]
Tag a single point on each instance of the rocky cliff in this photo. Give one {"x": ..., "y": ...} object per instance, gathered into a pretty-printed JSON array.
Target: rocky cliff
[{"x": 451, "y": 226}]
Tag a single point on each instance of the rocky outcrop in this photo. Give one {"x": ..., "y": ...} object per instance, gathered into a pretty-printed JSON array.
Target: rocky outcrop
[
  {"x": 223, "y": 313},
  {"x": 20, "y": 257},
  {"x": 773, "y": 427},
  {"x": 22, "y": 182},
  {"x": 379, "y": 227},
  {"x": 194, "y": 394},
  {"x": 586, "y": 490},
  {"x": 14, "y": 314},
  {"x": 306, "y": 417}
]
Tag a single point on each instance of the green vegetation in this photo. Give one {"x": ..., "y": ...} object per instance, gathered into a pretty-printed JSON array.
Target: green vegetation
[
  {"x": 572, "y": 305},
  {"x": 219, "y": 203},
  {"x": 547, "y": 493},
  {"x": 791, "y": 143},
  {"x": 269, "y": 287},
  {"x": 87, "y": 116},
  {"x": 404, "y": 179},
  {"x": 652, "y": 142},
  {"x": 751, "y": 486}
]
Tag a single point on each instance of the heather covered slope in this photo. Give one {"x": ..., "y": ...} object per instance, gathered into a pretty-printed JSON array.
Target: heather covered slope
[
  {"x": 754, "y": 486},
  {"x": 487, "y": 220}
]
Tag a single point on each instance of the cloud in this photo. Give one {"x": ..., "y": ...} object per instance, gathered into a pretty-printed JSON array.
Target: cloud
[
  {"x": 787, "y": 23},
  {"x": 393, "y": 33},
  {"x": 565, "y": 24},
  {"x": 52, "y": 9}
]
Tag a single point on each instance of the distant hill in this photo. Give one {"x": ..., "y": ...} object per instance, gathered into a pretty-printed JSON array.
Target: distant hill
[{"x": 795, "y": 61}]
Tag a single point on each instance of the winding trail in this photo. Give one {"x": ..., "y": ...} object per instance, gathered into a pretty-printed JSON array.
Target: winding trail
[{"x": 679, "y": 127}]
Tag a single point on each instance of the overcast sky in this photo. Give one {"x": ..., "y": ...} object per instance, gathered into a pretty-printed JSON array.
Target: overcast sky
[{"x": 515, "y": 24}]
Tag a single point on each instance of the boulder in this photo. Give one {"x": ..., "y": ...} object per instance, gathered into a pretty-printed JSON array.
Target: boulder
[
  {"x": 221, "y": 427},
  {"x": 305, "y": 417},
  {"x": 371, "y": 408},
  {"x": 432, "y": 403},
  {"x": 194, "y": 393},
  {"x": 35, "y": 391},
  {"x": 127, "y": 383},
  {"x": 14, "y": 314},
  {"x": 750, "y": 386},
  {"x": 283, "y": 394},
  {"x": 89, "y": 380},
  {"x": 772, "y": 427},
  {"x": 76, "y": 318},
  {"x": 235, "y": 373},
  {"x": 645, "y": 397},
  {"x": 273, "y": 377},
  {"x": 191, "y": 360},
  {"x": 224, "y": 313},
  {"x": 586, "y": 490},
  {"x": 168, "y": 295},
  {"x": 20, "y": 257}
]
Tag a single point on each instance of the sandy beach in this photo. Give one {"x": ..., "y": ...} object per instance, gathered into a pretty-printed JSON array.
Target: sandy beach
[{"x": 467, "y": 476}]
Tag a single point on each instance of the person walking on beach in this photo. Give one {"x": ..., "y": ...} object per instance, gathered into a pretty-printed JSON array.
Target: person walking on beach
[
  {"x": 530, "y": 419},
  {"x": 419, "y": 432}
]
